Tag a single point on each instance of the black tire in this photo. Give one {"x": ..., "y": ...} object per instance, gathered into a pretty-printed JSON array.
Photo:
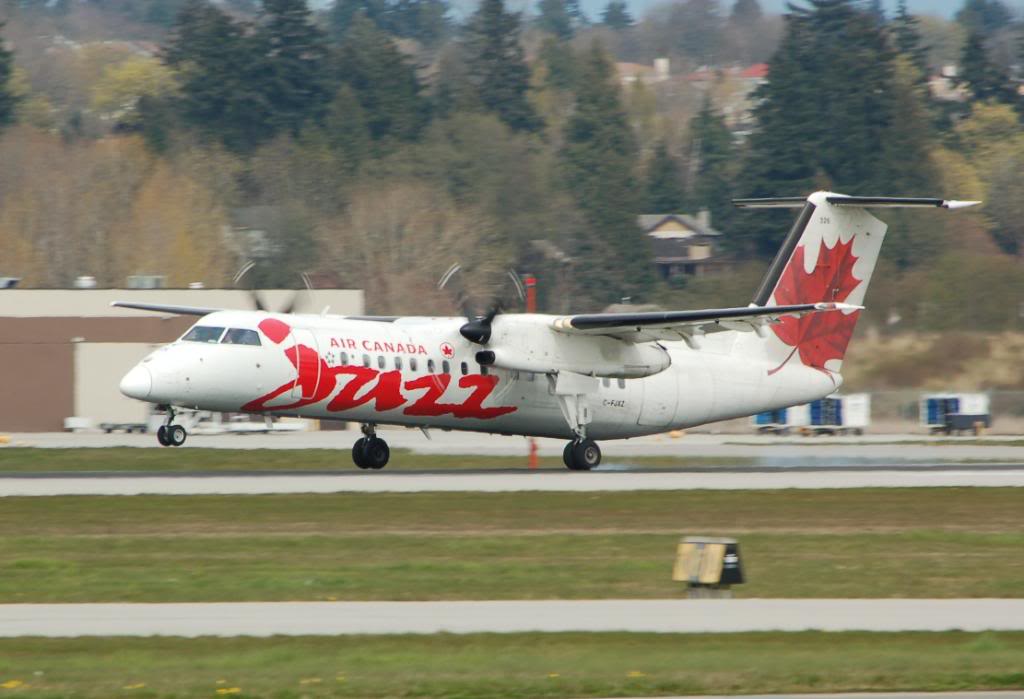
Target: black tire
[
  {"x": 176, "y": 435},
  {"x": 359, "y": 453},
  {"x": 161, "y": 436},
  {"x": 376, "y": 452},
  {"x": 585, "y": 455},
  {"x": 567, "y": 455}
]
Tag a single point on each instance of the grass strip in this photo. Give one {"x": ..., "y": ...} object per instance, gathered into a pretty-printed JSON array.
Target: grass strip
[
  {"x": 486, "y": 666},
  {"x": 944, "y": 542},
  {"x": 29, "y": 459}
]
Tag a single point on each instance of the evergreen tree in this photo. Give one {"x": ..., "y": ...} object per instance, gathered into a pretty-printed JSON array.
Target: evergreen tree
[
  {"x": 746, "y": 13},
  {"x": 907, "y": 38},
  {"x": 876, "y": 10},
  {"x": 983, "y": 77},
  {"x": 599, "y": 158},
  {"x": 985, "y": 17},
  {"x": 497, "y": 66},
  {"x": 560, "y": 61},
  {"x": 345, "y": 128},
  {"x": 711, "y": 149},
  {"x": 343, "y": 12},
  {"x": 664, "y": 185},
  {"x": 221, "y": 68},
  {"x": 384, "y": 83},
  {"x": 295, "y": 62},
  {"x": 8, "y": 100},
  {"x": 616, "y": 15},
  {"x": 553, "y": 17}
]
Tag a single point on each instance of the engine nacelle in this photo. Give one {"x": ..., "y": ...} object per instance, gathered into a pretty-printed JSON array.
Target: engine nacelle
[{"x": 627, "y": 361}]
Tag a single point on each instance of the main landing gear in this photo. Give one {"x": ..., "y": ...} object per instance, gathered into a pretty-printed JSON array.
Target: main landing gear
[
  {"x": 370, "y": 451},
  {"x": 581, "y": 454},
  {"x": 171, "y": 435}
]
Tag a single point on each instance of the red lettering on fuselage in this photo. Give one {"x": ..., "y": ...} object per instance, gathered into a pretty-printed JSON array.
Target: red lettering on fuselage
[{"x": 427, "y": 405}]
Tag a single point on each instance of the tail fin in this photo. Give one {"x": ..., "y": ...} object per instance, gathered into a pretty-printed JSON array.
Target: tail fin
[{"x": 828, "y": 256}]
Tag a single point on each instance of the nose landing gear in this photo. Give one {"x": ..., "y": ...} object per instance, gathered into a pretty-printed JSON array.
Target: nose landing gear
[
  {"x": 171, "y": 435},
  {"x": 581, "y": 455},
  {"x": 370, "y": 452}
]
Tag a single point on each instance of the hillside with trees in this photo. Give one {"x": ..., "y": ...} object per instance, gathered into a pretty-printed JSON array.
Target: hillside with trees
[{"x": 371, "y": 143}]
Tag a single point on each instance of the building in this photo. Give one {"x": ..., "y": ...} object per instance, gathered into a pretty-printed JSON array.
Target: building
[
  {"x": 683, "y": 246},
  {"x": 632, "y": 73},
  {"x": 63, "y": 351}
]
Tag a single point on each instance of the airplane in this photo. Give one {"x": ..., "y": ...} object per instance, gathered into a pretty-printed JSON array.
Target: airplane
[{"x": 582, "y": 378}]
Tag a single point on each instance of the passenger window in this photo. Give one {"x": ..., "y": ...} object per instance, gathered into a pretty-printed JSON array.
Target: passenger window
[
  {"x": 381, "y": 362},
  {"x": 398, "y": 363},
  {"x": 344, "y": 358},
  {"x": 412, "y": 363},
  {"x": 203, "y": 333},
  {"x": 622, "y": 383},
  {"x": 366, "y": 361},
  {"x": 515, "y": 374},
  {"x": 446, "y": 368},
  {"x": 529, "y": 376},
  {"x": 483, "y": 370},
  {"x": 241, "y": 336},
  {"x": 606, "y": 382},
  {"x": 465, "y": 369},
  {"x": 430, "y": 366}
]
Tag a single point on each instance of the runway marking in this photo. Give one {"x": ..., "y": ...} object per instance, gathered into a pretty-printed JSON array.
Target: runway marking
[
  {"x": 509, "y": 616},
  {"x": 456, "y": 481}
]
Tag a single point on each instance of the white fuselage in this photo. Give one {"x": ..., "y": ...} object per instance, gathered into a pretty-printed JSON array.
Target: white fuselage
[{"x": 421, "y": 372}]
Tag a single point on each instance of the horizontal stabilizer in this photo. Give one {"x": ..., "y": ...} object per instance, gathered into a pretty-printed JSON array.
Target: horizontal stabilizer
[{"x": 863, "y": 202}]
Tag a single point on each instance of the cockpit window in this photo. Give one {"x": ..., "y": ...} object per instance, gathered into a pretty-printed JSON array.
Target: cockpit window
[
  {"x": 203, "y": 333},
  {"x": 241, "y": 336}
]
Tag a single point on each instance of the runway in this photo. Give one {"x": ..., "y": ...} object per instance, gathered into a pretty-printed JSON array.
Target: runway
[
  {"x": 658, "y": 616},
  {"x": 502, "y": 481}
]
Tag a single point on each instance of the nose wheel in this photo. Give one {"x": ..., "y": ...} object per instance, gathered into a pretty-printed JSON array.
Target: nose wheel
[
  {"x": 370, "y": 452},
  {"x": 581, "y": 455},
  {"x": 171, "y": 435}
]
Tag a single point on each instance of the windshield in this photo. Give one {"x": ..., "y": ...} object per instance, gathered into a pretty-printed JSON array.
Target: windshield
[
  {"x": 241, "y": 336},
  {"x": 203, "y": 333}
]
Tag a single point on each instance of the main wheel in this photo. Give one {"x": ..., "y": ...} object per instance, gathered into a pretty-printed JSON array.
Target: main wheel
[
  {"x": 161, "y": 436},
  {"x": 175, "y": 435},
  {"x": 376, "y": 452},
  {"x": 567, "y": 455},
  {"x": 585, "y": 455},
  {"x": 359, "y": 453}
]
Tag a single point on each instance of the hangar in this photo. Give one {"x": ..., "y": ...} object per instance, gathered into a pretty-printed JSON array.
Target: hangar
[{"x": 64, "y": 351}]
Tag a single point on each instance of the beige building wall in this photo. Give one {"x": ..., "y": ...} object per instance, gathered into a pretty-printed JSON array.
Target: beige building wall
[{"x": 99, "y": 367}]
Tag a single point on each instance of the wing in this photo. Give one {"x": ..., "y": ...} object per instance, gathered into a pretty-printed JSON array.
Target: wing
[
  {"x": 682, "y": 325},
  {"x": 173, "y": 310}
]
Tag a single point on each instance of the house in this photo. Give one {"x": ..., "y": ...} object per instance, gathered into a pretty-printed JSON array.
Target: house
[
  {"x": 682, "y": 245},
  {"x": 632, "y": 73}
]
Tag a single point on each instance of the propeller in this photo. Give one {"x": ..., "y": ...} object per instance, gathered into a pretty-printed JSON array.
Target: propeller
[
  {"x": 258, "y": 303},
  {"x": 477, "y": 329}
]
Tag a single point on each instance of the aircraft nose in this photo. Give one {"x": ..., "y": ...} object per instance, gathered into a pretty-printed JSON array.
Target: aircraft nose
[{"x": 137, "y": 383}]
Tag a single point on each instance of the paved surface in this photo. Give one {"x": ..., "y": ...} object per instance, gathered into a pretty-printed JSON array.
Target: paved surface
[
  {"x": 872, "y": 695},
  {"x": 504, "y": 481},
  {"x": 664, "y": 616},
  {"x": 765, "y": 451}
]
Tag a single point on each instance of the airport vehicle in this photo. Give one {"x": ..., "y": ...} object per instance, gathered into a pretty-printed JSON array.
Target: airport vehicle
[
  {"x": 834, "y": 415},
  {"x": 579, "y": 377},
  {"x": 955, "y": 412}
]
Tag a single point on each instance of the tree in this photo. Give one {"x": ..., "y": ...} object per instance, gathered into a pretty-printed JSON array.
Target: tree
[
  {"x": 497, "y": 66},
  {"x": 221, "y": 71},
  {"x": 423, "y": 20},
  {"x": 384, "y": 83},
  {"x": 907, "y": 38},
  {"x": 746, "y": 13},
  {"x": 616, "y": 15},
  {"x": 711, "y": 149},
  {"x": 553, "y": 17},
  {"x": 698, "y": 26},
  {"x": 599, "y": 159},
  {"x": 983, "y": 77},
  {"x": 560, "y": 61},
  {"x": 664, "y": 185},
  {"x": 8, "y": 100},
  {"x": 985, "y": 17},
  {"x": 294, "y": 64}
]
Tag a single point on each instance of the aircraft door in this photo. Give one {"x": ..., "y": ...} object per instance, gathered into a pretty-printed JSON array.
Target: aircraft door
[
  {"x": 658, "y": 400},
  {"x": 307, "y": 364}
]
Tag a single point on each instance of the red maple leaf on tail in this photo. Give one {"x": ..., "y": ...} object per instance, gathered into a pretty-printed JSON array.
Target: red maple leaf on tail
[{"x": 821, "y": 336}]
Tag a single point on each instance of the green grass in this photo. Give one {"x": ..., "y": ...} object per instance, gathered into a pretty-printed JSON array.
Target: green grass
[
  {"x": 28, "y": 459},
  {"x": 515, "y": 665},
  {"x": 944, "y": 542}
]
